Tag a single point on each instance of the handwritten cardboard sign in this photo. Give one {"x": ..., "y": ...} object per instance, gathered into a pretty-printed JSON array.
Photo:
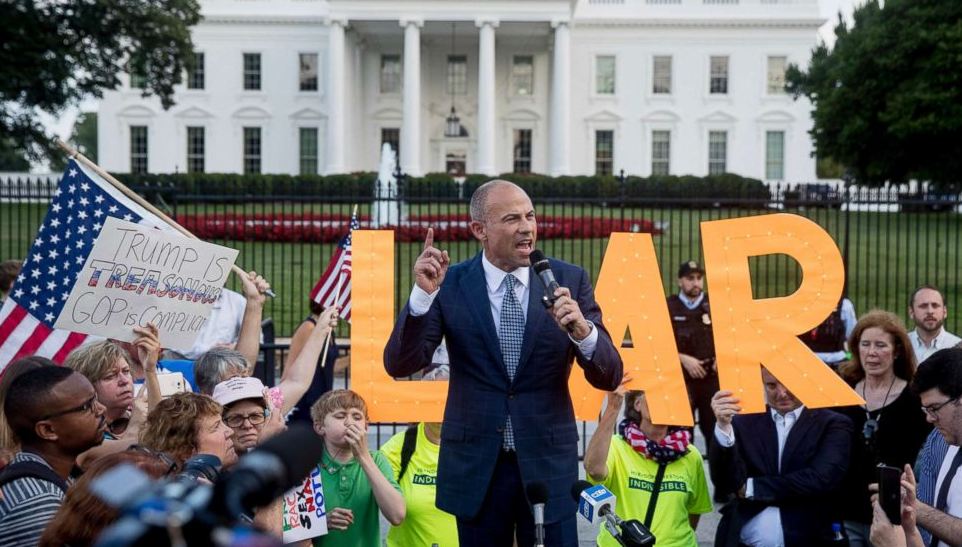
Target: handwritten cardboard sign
[
  {"x": 304, "y": 513},
  {"x": 136, "y": 275}
]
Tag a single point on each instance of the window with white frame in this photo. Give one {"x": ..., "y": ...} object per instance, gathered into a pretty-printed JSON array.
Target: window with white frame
[
  {"x": 776, "y": 74},
  {"x": 252, "y": 150},
  {"x": 522, "y": 74},
  {"x": 718, "y": 75},
  {"x": 195, "y": 149},
  {"x": 604, "y": 152},
  {"x": 138, "y": 149},
  {"x": 522, "y": 151},
  {"x": 774, "y": 155},
  {"x": 717, "y": 152},
  {"x": 308, "y": 150},
  {"x": 457, "y": 75},
  {"x": 137, "y": 69},
  {"x": 307, "y": 71},
  {"x": 252, "y": 71},
  {"x": 660, "y": 152},
  {"x": 390, "y": 74},
  {"x": 661, "y": 75},
  {"x": 605, "y": 75},
  {"x": 195, "y": 71}
]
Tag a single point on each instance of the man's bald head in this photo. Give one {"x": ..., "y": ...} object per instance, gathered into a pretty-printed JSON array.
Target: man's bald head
[{"x": 479, "y": 199}]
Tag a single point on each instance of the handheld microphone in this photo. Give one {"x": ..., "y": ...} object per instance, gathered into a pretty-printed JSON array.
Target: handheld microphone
[
  {"x": 539, "y": 262},
  {"x": 538, "y": 496},
  {"x": 597, "y": 504}
]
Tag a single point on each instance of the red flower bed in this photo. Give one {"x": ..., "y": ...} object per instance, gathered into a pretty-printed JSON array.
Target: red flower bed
[{"x": 313, "y": 227}]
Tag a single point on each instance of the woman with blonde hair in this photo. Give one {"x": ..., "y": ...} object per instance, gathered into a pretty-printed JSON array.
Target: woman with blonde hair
[
  {"x": 187, "y": 424},
  {"x": 891, "y": 426}
]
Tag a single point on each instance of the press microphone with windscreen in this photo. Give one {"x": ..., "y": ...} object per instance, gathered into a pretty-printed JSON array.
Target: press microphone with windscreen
[{"x": 537, "y": 497}]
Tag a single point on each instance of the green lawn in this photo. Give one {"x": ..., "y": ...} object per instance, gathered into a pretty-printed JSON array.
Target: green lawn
[{"x": 889, "y": 254}]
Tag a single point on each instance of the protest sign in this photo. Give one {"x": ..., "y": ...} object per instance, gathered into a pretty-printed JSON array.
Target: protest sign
[
  {"x": 136, "y": 275},
  {"x": 748, "y": 333},
  {"x": 304, "y": 514}
]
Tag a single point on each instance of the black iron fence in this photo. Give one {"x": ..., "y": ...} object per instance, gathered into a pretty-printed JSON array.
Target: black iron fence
[{"x": 891, "y": 239}]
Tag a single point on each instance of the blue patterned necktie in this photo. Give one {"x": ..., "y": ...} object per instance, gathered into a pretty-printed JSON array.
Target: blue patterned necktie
[{"x": 511, "y": 334}]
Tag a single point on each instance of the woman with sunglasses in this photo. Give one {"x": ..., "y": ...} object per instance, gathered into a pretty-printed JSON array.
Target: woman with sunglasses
[{"x": 890, "y": 428}]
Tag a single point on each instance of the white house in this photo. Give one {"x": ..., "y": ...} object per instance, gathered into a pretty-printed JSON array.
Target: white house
[{"x": 547, "y": 86}]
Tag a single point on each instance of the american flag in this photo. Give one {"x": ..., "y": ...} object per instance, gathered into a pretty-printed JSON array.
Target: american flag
[
  {"x": 82, "y": 202},
  {"x": 337, "y": 274}
]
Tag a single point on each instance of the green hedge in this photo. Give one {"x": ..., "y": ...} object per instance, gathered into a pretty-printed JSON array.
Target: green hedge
[{"x": 440, "y": 185}]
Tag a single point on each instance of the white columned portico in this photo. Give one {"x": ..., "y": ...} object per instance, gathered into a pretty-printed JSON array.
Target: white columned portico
[
  {"x": 335, "y": 98},
  {"x": 486, "y": 90},
  {"x": 411, "y": 114},
  {"x": 559, "y": 125}
]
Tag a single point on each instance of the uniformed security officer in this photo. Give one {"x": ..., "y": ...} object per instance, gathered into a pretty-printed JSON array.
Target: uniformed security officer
[{"x": 691, "y": 322}]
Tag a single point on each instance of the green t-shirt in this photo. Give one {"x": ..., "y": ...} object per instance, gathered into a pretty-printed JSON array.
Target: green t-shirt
[
  {"x": 424, "y": 524},
  {"x": 683, "y": 491},
  {"x": 346, "y": 485}
]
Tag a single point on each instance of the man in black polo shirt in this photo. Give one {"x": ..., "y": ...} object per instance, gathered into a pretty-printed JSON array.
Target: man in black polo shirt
[
  {"x": 691, "y": 322},
  {"x": 55, "y": 413}
]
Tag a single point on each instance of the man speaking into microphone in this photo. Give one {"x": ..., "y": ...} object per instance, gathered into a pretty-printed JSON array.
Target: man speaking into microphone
[{"x": 509, "y": 419}]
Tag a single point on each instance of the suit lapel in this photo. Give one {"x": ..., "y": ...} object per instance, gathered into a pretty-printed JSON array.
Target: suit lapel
[
  {"x": 796, "y": 435},
  {"x": 769, "y": 441},
  {"x": 475, "y": 287},
  {"x": 535, "y": 317}
]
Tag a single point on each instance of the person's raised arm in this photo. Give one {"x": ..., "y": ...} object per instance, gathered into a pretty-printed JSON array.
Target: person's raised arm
[
  {"x": 249, "y": 338},
  {"x": 299, "y": 340},
  {"x": 417, "y": 332},
  {"x": 297, "y": 378},
  {"x": 147, "y": 348},
  {"x": 389, "y": 499},
  {"x": 596, "y": 454}
]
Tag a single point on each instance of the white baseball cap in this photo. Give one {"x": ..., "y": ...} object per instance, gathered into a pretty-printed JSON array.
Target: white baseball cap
[{"x": 238, "y": 389}]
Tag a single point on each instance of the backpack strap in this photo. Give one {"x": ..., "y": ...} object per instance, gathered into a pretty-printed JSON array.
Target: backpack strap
[
  {"x": 407, "y": 449},
  {"x": 33, "y": 469},
  {"x": 659, "y": 476}
]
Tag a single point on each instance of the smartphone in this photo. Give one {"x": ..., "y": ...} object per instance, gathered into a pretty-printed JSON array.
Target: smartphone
[
  {"x": 890, "y": 492},
  {"x": 170, "y": 384}
]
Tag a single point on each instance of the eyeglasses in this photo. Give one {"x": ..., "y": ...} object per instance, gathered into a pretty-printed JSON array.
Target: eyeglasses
[
  {"x": 933, "y": 410},
  {"x": 86, "y": 407},
  {"x": 238, "y": 420},
  {"x": 162, "y": 456}
]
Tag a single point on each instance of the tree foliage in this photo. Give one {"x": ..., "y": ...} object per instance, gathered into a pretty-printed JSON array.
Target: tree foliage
[
  {"x": 55, "y": 53},
  {"x": 888, "y": 96}
]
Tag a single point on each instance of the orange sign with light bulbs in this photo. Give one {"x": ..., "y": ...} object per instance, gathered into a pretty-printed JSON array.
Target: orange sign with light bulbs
[{"x": 749, "y": 333}]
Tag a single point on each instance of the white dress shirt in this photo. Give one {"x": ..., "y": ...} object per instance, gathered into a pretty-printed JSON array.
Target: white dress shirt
[
  {"x": 420, "y": 301},
  {"x": 944, "y": 339},
  {"x": 765, "y": 529}
]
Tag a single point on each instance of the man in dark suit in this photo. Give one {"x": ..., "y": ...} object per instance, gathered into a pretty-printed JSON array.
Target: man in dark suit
[
  {"x": 781, "y": 469},
  {"x": 509, "y": 421}
]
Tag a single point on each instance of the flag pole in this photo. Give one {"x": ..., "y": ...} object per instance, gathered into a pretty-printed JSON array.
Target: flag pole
[
  {"x": 337, "y": 297},
  {"x": 75, "y": 154}
]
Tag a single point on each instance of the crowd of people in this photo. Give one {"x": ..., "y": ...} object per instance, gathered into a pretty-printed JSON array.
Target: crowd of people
[{"x": 789, "y": 477}]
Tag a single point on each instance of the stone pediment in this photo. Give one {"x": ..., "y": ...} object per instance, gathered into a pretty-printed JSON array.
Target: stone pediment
[
  {"x": 718, "y": 117},
  {"x": 136, "y": 111},
  {"x": 194, "y": 112},
  {"x": 603, "y": 116},
  {"x": 308, "y": 114},
  {"x": 252, "y": 113}
]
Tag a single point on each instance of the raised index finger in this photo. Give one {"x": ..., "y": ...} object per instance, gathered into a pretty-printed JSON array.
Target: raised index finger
[{"x": 429, "y": 239}]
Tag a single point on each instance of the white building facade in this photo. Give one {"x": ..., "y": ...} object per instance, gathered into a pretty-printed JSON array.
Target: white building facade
[{"x": 547, "y": 86}]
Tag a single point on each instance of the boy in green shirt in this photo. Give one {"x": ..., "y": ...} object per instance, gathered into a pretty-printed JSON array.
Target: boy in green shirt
[{"x": 357, "y": 481}]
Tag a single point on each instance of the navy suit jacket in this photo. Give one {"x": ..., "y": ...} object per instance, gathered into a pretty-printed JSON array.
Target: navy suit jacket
[
  {"x": 814, "y": 461},
  {"x": 480, "y": 395}
]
